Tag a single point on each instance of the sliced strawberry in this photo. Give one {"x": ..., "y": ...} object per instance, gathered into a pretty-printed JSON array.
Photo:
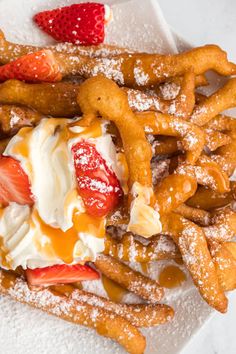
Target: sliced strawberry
[
  {"x": 97, "y": 184},
  {"x": 79, "y": 23},
  {"x": 14, "y": 183},
  {"x": 34, "y": 67},
  {"x": 60, "y": 274}
]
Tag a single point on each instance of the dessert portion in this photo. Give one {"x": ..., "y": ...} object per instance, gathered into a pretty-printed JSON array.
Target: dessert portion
[{"x": 111, "y": 159}]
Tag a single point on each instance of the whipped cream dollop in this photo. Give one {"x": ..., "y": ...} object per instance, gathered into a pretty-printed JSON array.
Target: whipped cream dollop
[
  {"x": 25, "y": 243},
  {"x": 144, "y": 219},
  {"x": 45, "y": 155}
]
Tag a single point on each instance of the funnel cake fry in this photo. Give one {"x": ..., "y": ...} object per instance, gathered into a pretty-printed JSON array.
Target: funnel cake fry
[
  {"x": 11, "y": 51},
  {"x": 74, "y": 311},
  {"x": 193, "y": 247},
  {"x": 129, "y": 249},
  {"x": 180, "y": 105},
  {"x": 140, "y": 315},
  {"x": 12, "y": 118},
  {"x": 207, "y": 173},
  {"x": 219, "y": 101},
  {"x": 143, "y": 70},
  {"x": 225, "y": 156},
  {"x": 216, "y": 139},
  {"x": 193, "y": 138},
  {"x": 48, "y": 99},
  {"x": 102, "y": 96},
  {"x": 199, "y": 216},
  {"x": 173, "y": 191},
  {"x": 147, "y": 70},
  {"x": 130, "y": 279},
  {"x": 224, "y": 257},
  {"x": 223, "y": 226},
  {"x": 208, "y": 199}
]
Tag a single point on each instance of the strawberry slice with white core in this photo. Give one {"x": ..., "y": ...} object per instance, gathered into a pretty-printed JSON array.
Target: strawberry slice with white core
[
  {"x": 82, "y": 24},
  {"x": 97, "y": 184},
  {"x": 33, "y": 67},
  {"x": 14, "y": 183},
  {"x": 60, "y": 274}
]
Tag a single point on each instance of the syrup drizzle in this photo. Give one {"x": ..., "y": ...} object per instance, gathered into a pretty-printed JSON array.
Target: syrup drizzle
[
  {"x": 114, "y": 291},
  {"x": 171, "y": 277}
]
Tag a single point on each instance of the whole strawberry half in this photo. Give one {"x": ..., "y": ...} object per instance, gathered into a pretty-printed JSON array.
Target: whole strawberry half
[{"x": 79, "y": 23}]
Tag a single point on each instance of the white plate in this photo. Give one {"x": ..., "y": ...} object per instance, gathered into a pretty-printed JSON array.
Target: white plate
[{"x": 24, "y": 330}]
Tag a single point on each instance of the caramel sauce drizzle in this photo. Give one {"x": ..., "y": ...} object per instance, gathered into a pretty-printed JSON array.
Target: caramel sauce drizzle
[
  {"x": 171, "y": 277},
  {"x": 63, "y": 243},
  {"x": 114, "y": 291}
]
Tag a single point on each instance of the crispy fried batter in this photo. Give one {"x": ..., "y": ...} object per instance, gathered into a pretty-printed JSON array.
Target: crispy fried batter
[
  {"x": 132, "y": 280},
  {"x": 193, "y": 247}
]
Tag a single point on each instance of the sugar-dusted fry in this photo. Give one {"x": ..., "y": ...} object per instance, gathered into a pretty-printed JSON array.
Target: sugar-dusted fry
[
  {"x": 57, "y": 100},
  {"x": 199, "y": 216},
  {"x": 181, "y": 106},
  {"x": 224, "y": 257},
  {"x": 164, "y": 124},
  {"x": 129, "y": 249},
  {"x": 223, "y": 226},
  {"x": 173, "y": 191},
  {"x": 207, "y": 173},
  {"x": 146, "y": 70},
  {"x": 167, "y": 145},
  {"x": 225, "y": 156},
  {"x": 219, "y": 101},
  {"x": 215, "y": 139},
  {"x": 193, "y": 247},
  {"x": 74, "y": 311},
  {"x": 140, "y": 315},
  {"x": 11, "y": 51},
  {"x": 207, "y": 199},
  {"x": 132, "y": 280},
  {"x": 12, "y": 118},
  {"x": 222, "y": 123}
]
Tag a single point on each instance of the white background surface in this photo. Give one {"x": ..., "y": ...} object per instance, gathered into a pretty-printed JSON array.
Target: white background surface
[{"x": 201, "y": 22}]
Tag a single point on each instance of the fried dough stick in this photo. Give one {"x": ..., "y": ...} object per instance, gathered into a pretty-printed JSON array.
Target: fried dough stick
[
  {"x": 131, "y": 69},
  {"x": 193, "y": 247},
  {"x": 57, "y": 100},
  {"x": 166, "y": 145},
  {"x": 128, "y": 278},
  {"x": 225, "y": 156},
  {"x": 181, "y": 106},
  {"x": 146, "y": 70},
  {"x": 129, "y": 249},
  {"x": 207, "y": 173},
  {"x": 10, "y": 51},
  {"x": 224, "y": 257},
  {"x": 99, "y": 95},
  {"x": 12, "y": 118},
  {"x": 173, "y": 191},
  {"x": 208, "y": 199},
  {"x": 223, "y": 226},
  {"x": 219, "y": 101},
  {"x": 199, "y": 216},
  {"x": 140, "y": 315},
  {"x": 164, "y": 124},
  {"x": 114, "y": 327}
]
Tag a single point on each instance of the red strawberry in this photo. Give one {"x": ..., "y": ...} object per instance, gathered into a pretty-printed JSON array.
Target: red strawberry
[
  {"x": 34, "y": 67},
  {"x": 98, "y": 185},
  {"x": 78, "y": 23},
  {"x": 14, "y": 183},
  {"x": 60, "y": 274}
]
